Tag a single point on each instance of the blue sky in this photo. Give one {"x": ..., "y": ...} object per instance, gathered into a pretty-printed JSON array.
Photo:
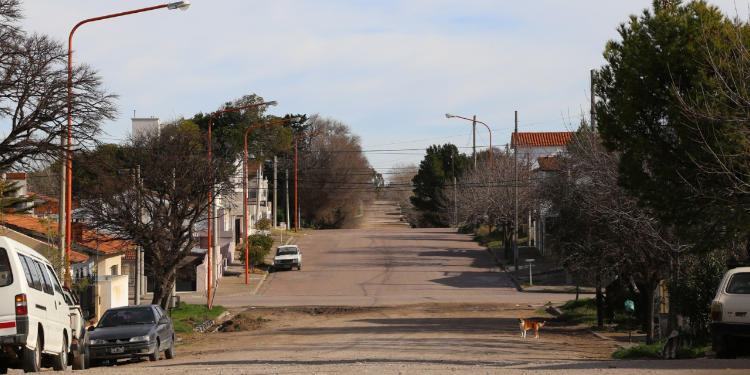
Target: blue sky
[{"x": 388, "y": 69}]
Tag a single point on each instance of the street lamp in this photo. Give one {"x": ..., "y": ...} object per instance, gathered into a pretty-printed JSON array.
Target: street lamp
[
  {"x": 210, "y": 192},
  {"x": 296, "y": 218},
  {"x": 448, "y": 115},
  {"x": 66, "y": 199},
  {"x": 244, "y": 185}
]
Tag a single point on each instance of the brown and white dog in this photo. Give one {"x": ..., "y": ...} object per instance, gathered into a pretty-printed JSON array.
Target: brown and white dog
[{"x": 526, "y": 325}]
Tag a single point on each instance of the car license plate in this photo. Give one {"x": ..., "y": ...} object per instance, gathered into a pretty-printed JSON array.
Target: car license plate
[{"x": 117, "y": 349}]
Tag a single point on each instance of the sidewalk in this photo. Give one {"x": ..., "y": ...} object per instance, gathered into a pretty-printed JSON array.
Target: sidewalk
[
  {"x": 232, "y": 284},
  {"x": 547, "y": 276}
]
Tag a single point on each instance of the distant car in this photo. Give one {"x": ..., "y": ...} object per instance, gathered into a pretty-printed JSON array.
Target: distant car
[
  {"x": 730, "y": 313},
  {"x": 131, "y": 332},
  {"x": 287, "y": 256}
]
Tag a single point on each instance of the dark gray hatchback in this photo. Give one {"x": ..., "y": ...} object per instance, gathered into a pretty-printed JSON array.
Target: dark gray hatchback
[{"x": 132, "y": 332}]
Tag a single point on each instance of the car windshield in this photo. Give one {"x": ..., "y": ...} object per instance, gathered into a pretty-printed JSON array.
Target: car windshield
[
  {"x": 739, "y": 284},
  {"x": 6, "y": 276},
  {"x": 122, "y": 317},
  {"x": 286, "y": 251}
]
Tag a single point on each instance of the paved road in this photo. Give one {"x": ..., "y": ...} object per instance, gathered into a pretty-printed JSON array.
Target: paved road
[{"x": 388, "y": 263}]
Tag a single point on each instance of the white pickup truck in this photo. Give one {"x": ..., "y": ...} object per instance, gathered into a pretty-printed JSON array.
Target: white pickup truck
[{"x": 287, "y": 256}]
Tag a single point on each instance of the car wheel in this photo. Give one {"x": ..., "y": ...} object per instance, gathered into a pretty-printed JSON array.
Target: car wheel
[
  {"x": 722, "y": 347},
  {"x": 60, "y": 362},
  {"x": 169, "y": 353},
  {"x": 32, "y": 358},
  {"x": 299, "y": 268},
  {"x": 155, "y": 356}
]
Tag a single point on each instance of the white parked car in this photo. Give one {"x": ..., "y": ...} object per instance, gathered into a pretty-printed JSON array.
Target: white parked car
[
  {"x": 287, "y": 256},
  {"x": 730, "y": 313},
  {"x": 35, "y": 326}
]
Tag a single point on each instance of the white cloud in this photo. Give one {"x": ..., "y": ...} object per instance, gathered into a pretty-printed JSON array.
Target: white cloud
[{"x": 390, "y": 69}]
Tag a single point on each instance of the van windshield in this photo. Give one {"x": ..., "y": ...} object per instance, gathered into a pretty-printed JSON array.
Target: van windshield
[{"x": 6, "y": 275}]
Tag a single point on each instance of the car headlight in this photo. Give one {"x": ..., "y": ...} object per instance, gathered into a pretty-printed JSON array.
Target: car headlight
[
  {"x": 140, "y": 338},
  {"x": 97, "y": 342}
]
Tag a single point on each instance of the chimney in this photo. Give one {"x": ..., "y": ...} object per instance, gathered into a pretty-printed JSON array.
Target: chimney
[
  {"x": 20, "y": 180},
  {"x": 77, "y": 231}
]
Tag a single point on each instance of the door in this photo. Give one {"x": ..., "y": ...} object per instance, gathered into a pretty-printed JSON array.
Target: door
[
  {"x": 37, "y": 300},
  {"x": 10, "y": 286}
]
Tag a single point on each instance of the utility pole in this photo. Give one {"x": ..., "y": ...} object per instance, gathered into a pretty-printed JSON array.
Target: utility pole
[
  {"x": 138, "y": 255},
  {"x": 474, "y": 142},
  {"x": 61, "y": 219},
  {"x": 275, "y": 177},
  {"x": 257, "y": 195},
  {"x": 455, "y": 200},
  {"x": 286, "y": 182},
  {"x": 515, "y": 193},
  {"x": 593, "y": 100}
]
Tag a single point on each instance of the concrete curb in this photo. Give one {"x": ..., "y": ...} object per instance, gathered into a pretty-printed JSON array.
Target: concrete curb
[
  {"x": 502, "y": 267},
  {"x": 260, "y": 283}
]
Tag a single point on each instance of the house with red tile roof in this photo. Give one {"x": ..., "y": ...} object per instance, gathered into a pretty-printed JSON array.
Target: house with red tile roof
[
  {"x": 534, "y": 145},
  {"x": 540, "y": 151}
]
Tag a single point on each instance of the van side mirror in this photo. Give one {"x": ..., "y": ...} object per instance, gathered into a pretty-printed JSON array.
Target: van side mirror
[{"x": 91, "y": 328}]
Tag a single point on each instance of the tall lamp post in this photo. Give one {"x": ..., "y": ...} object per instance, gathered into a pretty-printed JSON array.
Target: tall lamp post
[
  {"x": 296, "y": 218},
  {"x": 66, "y": 196},
  {"x": 448, "y": 115},
  {"x": 244, "y": 187},
  {"x": 209, "y": 302}
]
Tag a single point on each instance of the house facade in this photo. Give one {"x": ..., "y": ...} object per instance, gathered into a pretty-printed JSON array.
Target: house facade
[{"x": 540, "y": 151}]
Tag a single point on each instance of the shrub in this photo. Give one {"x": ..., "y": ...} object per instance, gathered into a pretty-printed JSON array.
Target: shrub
[
  {"x": 263, "y": 224},
  {"x": 693, "y": 289},
  {"x": 260, "y": 246}
]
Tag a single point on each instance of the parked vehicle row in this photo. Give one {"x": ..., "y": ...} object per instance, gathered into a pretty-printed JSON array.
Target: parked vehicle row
[
  {"x": 35, "y": 326},
  {"x": 43, "y": 325}
]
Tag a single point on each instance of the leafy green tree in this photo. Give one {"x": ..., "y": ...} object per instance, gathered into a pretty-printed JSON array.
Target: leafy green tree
[
  {"x": 693, "y": 287},
  {"x": 663, "y": 56},
  {"x": 9, "y": 201},
  {"x": 436, "y": 172}
]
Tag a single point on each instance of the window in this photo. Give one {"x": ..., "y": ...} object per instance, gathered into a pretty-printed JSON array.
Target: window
[
  {"x": 113, "y": 270},
  {"x": 26, "y": 271},
  {"x": 36, "y": 278},
  {"x": 6, "y": 275},
  {"x": 739, "y": 284},
  {"x": 46, "y": 283},
  {"x": 55, "y": 282}
]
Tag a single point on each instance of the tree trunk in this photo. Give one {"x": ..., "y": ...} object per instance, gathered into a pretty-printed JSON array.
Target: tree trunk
[
  {"x": 650, "y": 296},
  {"x": 163, "y": 289},
  {"x": 599, "y": 301}
]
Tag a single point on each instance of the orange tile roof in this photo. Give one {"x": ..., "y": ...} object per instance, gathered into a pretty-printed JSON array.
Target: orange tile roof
[
  {"x": 91, "y": 239},
  {"x": 33, "y": 224},
  {"x": 542, "y": 139},
  {"x": 129, "y": 254}
]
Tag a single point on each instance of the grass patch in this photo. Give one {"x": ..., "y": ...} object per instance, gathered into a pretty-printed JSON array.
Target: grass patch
[
  {"x": 640, "y": 351},
  {"x": 653, "y": 351},
  {"x": 582, "y": 311},
  {"x": 188, "y": 315}
]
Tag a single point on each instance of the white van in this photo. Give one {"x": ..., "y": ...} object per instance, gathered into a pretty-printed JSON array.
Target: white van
[{"x": 35, "y": 326}]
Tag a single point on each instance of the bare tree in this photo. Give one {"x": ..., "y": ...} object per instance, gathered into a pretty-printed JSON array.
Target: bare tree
[
  {"x": 601, "y": 228},
  {"x": 160, "y": 213},
  {"x": 485, "y": 195},
  {"x": 400, "y": 190},
  {"x": 33, "y": 94},
  {"x": 334, "y": 175}
]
